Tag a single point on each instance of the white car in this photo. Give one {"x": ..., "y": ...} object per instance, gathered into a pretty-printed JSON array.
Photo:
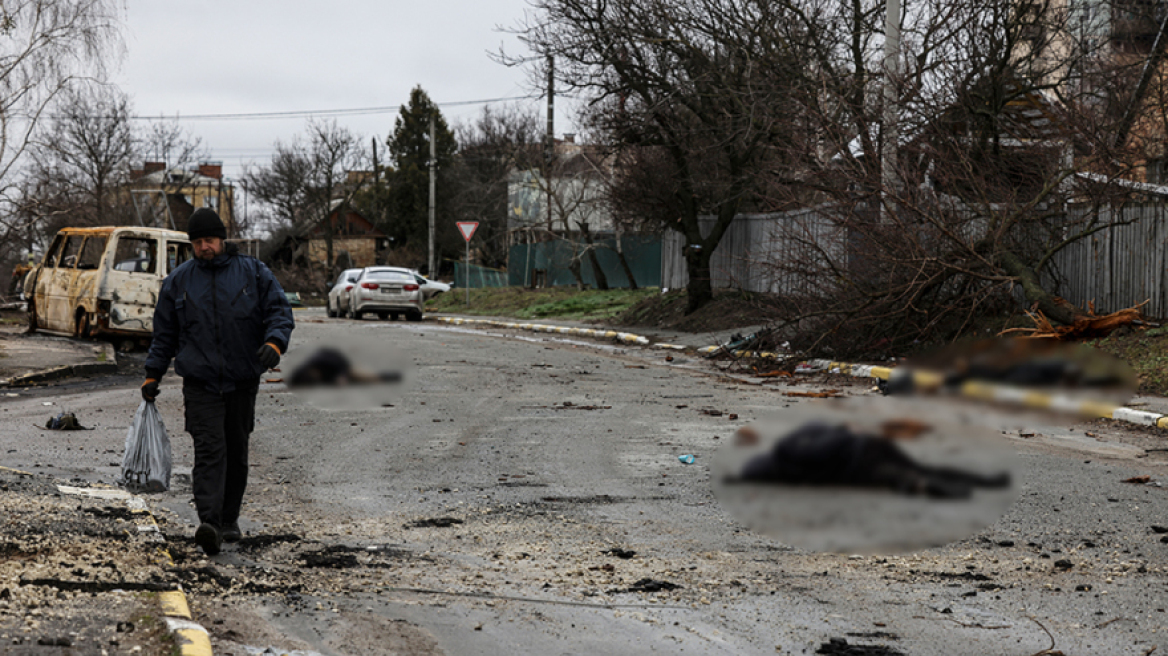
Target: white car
[
  {"x": 338, "y": 296},
  {"x": 388, "y": 292},
  {"x": 431, "y": 288}
]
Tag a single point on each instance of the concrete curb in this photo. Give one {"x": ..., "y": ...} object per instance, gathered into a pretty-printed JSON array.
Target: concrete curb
[
  {"x": 105, "y": 362},
  {"x": 627, "y": 338},
  {"x": 980, "y": 390},
  {"x": 191, "y": 638},
  {"x": 988, "y": 391}
]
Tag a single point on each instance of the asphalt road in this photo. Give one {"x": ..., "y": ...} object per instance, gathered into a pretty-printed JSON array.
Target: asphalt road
[{"x": 523, "y": 494}]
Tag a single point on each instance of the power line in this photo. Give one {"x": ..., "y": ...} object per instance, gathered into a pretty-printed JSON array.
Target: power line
[{"x": 309, "y": 113}]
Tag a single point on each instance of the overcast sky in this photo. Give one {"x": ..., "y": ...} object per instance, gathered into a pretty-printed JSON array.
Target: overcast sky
[{"x": 257, "y": 56}]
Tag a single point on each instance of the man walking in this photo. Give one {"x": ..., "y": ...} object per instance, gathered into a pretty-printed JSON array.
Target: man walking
[{"x": 224, "y": 320}]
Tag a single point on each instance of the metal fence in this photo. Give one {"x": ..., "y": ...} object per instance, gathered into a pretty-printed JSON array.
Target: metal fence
[
  {"x": 1115, "y": 269},
  {"x": 1120, "y": 267},
  {"x": 745, "y": 257},
  {"x": 475, "y": 276},
  {"x": 546, "y": 264}
]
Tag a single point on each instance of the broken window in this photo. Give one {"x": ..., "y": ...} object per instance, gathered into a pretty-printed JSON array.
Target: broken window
[
  {"x": 54, "y": 252},
  {"x": 176, "y": 254},
  {"x": 91, "y": 253},
  {"x": 72, "y": 250},
  {"x": 136, "y": 255}
]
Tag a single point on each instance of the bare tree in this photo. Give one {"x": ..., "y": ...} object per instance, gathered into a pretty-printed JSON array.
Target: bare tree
[
  {"x": 335, "y": 151},
  {"x": 490, "y": 149},
  {"x": 700, "y": 81},
  {"x": 306, "y": 181},
  {"x": 168, "y": 142},
  {"x": 45, "y": 47},
  {"x": 283, "y": 186},
  {"x": 1006, "y": 156},
  {"x": 81, "y": 157}
]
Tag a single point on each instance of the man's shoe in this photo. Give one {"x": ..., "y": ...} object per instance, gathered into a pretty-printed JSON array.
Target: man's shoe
[
  {"x": 231, "y": 532},
  {"x": 208, "y": 538}
]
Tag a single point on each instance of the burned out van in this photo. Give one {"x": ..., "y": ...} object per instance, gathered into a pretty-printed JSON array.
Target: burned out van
[{"x": 103, "y": 281}]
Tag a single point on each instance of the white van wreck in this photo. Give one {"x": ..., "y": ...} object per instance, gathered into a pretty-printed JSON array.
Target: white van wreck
[{"x": 102, "y": 281}]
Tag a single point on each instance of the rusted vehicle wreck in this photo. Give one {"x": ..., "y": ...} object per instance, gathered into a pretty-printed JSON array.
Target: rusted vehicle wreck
[{"x": 102, "y": 281}]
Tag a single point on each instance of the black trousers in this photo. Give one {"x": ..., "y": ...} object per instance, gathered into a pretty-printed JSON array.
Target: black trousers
[{"x": 220, "y": 425}]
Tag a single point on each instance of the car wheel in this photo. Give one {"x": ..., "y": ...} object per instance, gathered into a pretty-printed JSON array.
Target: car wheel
[
  {"x": 358, "y": 315},
  {"x": 81, "y": 325},
  {"x": 32, "y": 318},
  {"x": 416, "y": 315},
  {"x": 330, "y": 311},
  {"x": 383, "y": 315},
  {"x": 393, "y": 316}
]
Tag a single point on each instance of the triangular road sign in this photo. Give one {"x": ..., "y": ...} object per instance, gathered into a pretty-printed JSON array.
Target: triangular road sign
[{"x": 467, "y": 228}]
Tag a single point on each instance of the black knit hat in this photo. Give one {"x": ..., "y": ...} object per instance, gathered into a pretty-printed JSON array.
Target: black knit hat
[{"x": 205, "y": 223}]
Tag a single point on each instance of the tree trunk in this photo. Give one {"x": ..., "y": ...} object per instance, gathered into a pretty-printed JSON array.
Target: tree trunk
[
  {"x": 699, "y": 290},
  {"x": 574, "y": 267},
  {"x": 620, "y": 255},
  {"x": 628, "y": 270},
  {"x": 597, "y": 272},
  {"x": 1062, "y": 313}
]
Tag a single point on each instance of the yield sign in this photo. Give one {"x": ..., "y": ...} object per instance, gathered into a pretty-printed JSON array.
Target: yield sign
[{"x": 467, "y": 228}]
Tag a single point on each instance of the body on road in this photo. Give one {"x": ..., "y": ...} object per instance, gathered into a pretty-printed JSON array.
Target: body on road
[{"x": 525, "y": 495}]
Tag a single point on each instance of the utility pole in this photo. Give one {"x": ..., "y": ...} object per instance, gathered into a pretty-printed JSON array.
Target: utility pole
[
  {"x": 549, "y": 149},
  {"x": 888, "y": 151},
  {"x": 378, "y": 220},
  {"x": 432, "y": 272}
]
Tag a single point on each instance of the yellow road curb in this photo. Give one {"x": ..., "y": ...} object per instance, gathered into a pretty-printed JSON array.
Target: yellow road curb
[
  {"x": 923, "y": 379},
  {"x": 987, "y": 391},
  {"x": 627, "y": 338},
  {"x": 192, "y": 639}
]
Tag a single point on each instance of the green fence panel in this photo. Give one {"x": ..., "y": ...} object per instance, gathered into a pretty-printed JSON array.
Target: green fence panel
[
  {"x": 546, "y": 263},
  {"x": 478, "y": 276}
]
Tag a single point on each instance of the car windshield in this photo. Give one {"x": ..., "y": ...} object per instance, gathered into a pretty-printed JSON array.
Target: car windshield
[{"x": 394, "y": 276}]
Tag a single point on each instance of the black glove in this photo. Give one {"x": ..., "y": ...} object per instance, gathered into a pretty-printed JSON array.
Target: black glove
[
  {"x": 149, "y": 389},
  {"x": 269, "y": 355}
]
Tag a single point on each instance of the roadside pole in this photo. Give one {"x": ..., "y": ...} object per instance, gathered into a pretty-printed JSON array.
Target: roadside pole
[{"x": 467, "y": 228}]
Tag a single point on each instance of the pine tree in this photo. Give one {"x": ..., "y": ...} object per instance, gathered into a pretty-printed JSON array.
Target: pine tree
[{"x": 409, "y": 183}]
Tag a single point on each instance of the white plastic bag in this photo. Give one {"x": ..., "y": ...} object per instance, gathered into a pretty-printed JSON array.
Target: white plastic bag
[{"x": 146, "y": 464}]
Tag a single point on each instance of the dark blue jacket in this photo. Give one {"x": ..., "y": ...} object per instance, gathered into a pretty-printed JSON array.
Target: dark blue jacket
[{"x": 212, "y": 317}]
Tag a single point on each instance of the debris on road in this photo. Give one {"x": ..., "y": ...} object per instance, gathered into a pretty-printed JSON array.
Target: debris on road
[
  {"x": 778, "y": 373},
  {"x": 433, "y": 522},
  {"x": 840, "y": 647},
  {"x": 65, "y": 421},
  {"x": 647, "y": 585},
  {"x": 825, "y": 394}
]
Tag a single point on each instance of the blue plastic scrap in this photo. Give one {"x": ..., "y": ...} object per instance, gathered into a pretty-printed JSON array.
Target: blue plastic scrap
[{"x": 686, "y": 459}]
